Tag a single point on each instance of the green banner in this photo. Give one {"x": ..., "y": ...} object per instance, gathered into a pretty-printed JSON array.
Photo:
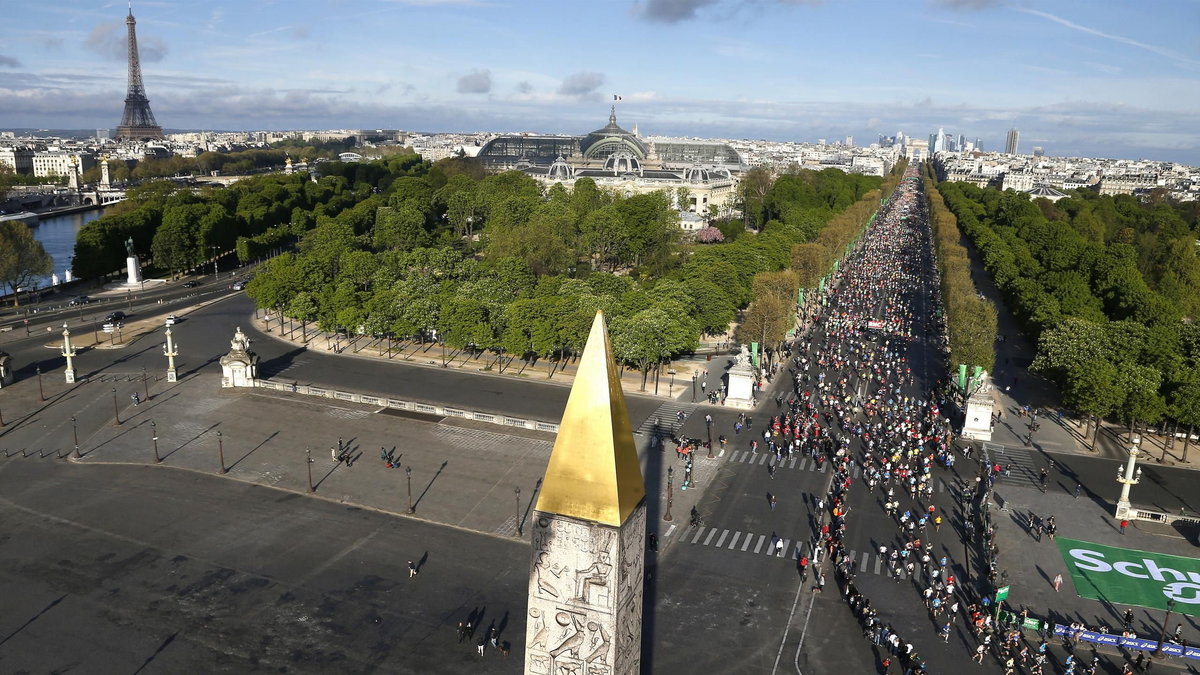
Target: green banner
[
  {"x": 1002, "y": 593},
  {"x": 754, "y": 353},
  {"x": 1129, "y": 577}
]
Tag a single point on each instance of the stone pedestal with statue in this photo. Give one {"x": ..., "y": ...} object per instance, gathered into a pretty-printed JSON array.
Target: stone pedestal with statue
[
  {"x": 132, "y": 266},
  {"x": 977, "y": 415},
  {"x": 239, "y": 368},
  {"x": 741, "y": 378}
]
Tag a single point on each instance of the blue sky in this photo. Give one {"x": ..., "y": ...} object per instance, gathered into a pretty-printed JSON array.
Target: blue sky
[{"x": 1095, "y": 77}]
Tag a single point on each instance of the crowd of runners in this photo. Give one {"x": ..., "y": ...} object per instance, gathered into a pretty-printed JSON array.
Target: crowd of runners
[{"x": 864, "y": 397}]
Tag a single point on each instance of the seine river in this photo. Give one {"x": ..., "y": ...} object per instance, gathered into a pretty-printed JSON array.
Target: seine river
[{"x": 57, "y": 234}]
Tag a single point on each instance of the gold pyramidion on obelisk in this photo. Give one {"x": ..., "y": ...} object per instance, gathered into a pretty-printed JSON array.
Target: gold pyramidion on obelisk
[{"x": 589, "y": 532}]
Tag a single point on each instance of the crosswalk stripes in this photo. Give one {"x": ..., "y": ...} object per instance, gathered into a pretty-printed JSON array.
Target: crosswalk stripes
[
  {"x": 1019, "y": 462},
  {"x": 780, "y": 547},
  {"x": 665, "y": 419}
]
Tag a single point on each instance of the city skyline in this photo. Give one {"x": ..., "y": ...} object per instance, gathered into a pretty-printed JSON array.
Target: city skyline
[{"x": 1087, "y": 79}]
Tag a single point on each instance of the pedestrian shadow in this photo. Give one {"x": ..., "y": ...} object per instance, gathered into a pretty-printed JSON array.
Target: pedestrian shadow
[
  {"x": 1044, "y": 575},
  {"x": 430, "y": 484},
  {"x": 424, "y": 559},
  {"x": 190, "y": 440},
  {"x": 268, "y": 440}
]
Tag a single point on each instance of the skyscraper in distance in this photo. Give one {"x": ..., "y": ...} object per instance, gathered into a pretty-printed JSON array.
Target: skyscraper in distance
[
  {"x": 1010, "y": 146},
  {"x": 137, "y": 122}
]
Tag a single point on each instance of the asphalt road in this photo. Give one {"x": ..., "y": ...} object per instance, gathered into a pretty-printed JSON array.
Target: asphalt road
[
  {"x": 150, "y": 570},
  {"x": 203, "y": 337}
]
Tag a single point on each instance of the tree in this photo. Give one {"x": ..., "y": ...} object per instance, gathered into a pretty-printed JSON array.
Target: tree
[
  {"x": 649, "y": 337},
  {"x": 174, "y": 245},
  {"x": 752, "y": 192},
  {"x": 1093, "y": 389},
  {"x": 22, "y": 258},
  {"x": 766, "y": 321},
  {"x": 401, "y": 227}
]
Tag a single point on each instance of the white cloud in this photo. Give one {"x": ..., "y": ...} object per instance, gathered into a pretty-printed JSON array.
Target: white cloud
[
  {"x": 109, "y": 40},
  {"x": 581, "y": 83},
  {"x": 475, "y": 82}
]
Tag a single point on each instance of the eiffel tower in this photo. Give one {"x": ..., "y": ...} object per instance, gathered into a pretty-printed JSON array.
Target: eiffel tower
[{"x": 138, "y": 122}]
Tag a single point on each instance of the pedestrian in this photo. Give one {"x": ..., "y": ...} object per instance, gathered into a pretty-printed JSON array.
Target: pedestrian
[
  {"x": 1057, "y": 582},
  {"x": 480, "y": 645},
  {"x": 333, "y": 454},
  {"x": 412, "y": 569},
  {"x": 1078, "y": 489},
  {"x": 1124, "y": 524},
  {"x": 462, "y": 631},
  {"x": 772, "y": 502},
  {"x": 137, "y": 400},
  {"x": 771, "y": 471}
]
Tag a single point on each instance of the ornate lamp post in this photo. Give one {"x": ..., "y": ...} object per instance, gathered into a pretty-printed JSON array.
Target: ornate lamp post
[
  {"x": 75, "y": 434},
  {"x": 1131, "y": 476},
  {"x": 1162, "y": 635},
  {"x": 408, "y": 474},
  {"x": 170, "y": 350},
  {"x": 693, "y": 387},
  {"x": 116, "y": 410},
  {"x": 308, "y": 453},
  {"x": 517, "y": 492},
  {"x": 670, "y": 494},
  {"x": 41, "y": 391},
  {"x": 221, "y": 452},
  {"x": 154, "y": 436},
  {"x": 68, "y": 353}
]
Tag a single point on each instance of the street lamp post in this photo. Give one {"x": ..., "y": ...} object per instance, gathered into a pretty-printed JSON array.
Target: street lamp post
[
  {"x": 309, "y": 462},
  {"x": 671, "y": 386},
  {"x": 116, "y": 411},
  {"x": 68, "y": 352},
  {"x": 670, "y": 494},
  {"x": 1162, "y": 635},
  {"x": 41, "y": 392},
  {"x": 154, "y": 436},
  {"x": 693, "y": 387},
  {"x": 170, "y": 350},
  {"x": 216, "y": 274},
  {"x": 1131, "y": 476},
  {"x": 221, "y": 452},
  {"x": 145, "y": 385},
  {"x": 517, "y": 491},
  {"x": 408, "y": 474},
  {"x": 75, "y": 434}
]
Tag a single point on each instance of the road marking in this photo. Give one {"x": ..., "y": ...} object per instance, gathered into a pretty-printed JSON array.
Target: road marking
[
  {"x": 855, "y": 471},
  {"x": 699, "y": 531},
  {"x": 878, "y": 562},
  {"x": 749, "y": 538},
  {"x": 792, "y": 463},
  {"x": 733, "y": 542},
  {"x": 850, "y": 557},
  {"x": 734, "y": 457},
  {"x": 669, "y": 531},
  {"x": 866, "y": 556},
  {"x": 720, "y": 540},
  {"x": 711, "y": 532},
  {"x": 765, "y": 457},
  {"x": 803, "y": 462},
  {"x": 758, "y": 546}
]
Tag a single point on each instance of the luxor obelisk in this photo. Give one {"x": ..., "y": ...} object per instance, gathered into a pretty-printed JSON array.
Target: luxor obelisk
[{"x": 589, "y": 532}]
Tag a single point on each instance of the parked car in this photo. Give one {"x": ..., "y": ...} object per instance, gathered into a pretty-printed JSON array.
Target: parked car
[
  {"x": 172, "y": 320},
  {"x": 115, "y": 317},
  {"x": 191, "y": 284},
  {"x": 80, "y": 300}
]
